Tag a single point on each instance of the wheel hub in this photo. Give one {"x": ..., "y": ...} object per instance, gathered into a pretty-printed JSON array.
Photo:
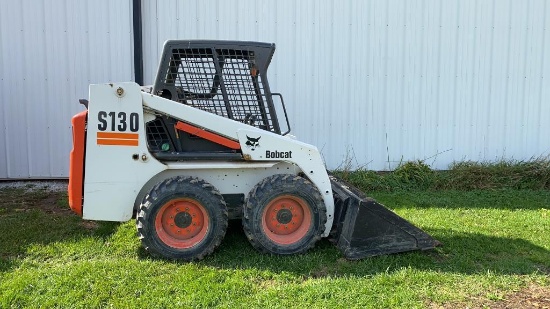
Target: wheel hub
[
  {"x": 284, "y": 216},
  {"x": 183, "y": 220}
]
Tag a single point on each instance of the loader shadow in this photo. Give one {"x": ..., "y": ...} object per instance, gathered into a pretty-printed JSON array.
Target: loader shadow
[
  {"x": 39, "y": 219},
  {"x": 463, "y": 253}
]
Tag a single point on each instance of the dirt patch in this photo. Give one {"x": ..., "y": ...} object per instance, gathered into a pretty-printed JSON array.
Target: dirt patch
[
  {"x": 89, "y": 225},
  {"x": 29, "y": 199},
  {"x": 46, "y": 197},
  {"x": 533, "y": 296},
  {"x": 49, "y": 204},
  {"x": 320, "y": 273}
]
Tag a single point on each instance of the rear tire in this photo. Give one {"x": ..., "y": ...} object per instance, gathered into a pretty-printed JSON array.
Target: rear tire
[
  {"x": 284, "y": 214},
  {"x": 182, "y": 218}
]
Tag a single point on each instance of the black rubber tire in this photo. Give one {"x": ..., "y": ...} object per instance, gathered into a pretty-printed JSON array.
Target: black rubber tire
[
  {"x": 270, "y": 189},
  {"x": 177, "y": 188}
]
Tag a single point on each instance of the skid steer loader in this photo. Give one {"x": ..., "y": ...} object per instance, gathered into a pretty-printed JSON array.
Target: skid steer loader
[{"x": 205, "y": 145}]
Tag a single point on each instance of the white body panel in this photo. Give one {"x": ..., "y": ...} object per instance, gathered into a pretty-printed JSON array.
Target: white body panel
[
  {"x": 112, "y": 178},
  {"x": 115, "y": 181}
]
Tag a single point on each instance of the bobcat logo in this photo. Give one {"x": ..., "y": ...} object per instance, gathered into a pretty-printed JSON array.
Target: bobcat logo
[{"x": 252, "y": 142}]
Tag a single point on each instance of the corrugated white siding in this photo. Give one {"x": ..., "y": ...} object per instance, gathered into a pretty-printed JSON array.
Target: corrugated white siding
[
  {"x": 377, "y": 82},
  {"x": 369, "y": 82},
  {"x": 50, "y": 52}
]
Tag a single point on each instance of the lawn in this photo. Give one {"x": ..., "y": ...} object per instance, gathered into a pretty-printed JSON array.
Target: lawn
[{"x": 496, "y": 253}]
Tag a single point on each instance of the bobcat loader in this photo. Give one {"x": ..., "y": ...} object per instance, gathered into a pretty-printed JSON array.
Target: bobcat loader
[{"x": 205, "y": 145}]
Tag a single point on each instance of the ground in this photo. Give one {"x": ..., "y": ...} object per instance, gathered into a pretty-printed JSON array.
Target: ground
[
  {"x": 532, "y": 296},
  {"x": 495, "y": 255}
]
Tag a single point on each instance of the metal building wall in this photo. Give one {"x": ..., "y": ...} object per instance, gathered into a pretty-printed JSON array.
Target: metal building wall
[
  {"x": 51, "y": 50},
  {"x": 376, "y": 82},
  {"x": 369, "y": 82}
]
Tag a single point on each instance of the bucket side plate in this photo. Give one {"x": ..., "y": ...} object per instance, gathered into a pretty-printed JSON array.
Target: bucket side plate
[{"x": 364, "y": 228}]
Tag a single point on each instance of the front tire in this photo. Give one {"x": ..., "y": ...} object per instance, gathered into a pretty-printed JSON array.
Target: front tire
[
  {"x": 182, "y": 218},
  {"x": 284, "y": 214}
]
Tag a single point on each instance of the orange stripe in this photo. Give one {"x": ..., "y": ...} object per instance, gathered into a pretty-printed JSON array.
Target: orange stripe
[
  {"x": 207, "y": 135},
  {"x": 117, "y": 142},
  {"x": 117, "y": 135}
]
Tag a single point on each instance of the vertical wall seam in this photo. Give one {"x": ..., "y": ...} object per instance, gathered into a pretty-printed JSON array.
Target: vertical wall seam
[
  {"x": 44, "y": 43},
  {"x": 507, "y": 76},
  {"x": 542, "y": 61},
  {"x": 2, "y": 85},
  {"x": 473, "y": 77}
]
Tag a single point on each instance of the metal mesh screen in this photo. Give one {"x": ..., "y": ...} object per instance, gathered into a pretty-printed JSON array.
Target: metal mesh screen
[
  {"x": 156, "y": 135},
  {"x": 225, "y": 82}
]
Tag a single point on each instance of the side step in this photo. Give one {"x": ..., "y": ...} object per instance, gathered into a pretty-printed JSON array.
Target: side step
[{"x": 364, "y": 228}]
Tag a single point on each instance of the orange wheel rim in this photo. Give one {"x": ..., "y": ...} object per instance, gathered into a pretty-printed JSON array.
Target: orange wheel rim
[
  {"x": 182, "y": 223},
  {"x": 286, "y": 219}
]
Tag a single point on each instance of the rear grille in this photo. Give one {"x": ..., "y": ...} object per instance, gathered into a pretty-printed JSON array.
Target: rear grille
[{"x": 157, "y": 136}]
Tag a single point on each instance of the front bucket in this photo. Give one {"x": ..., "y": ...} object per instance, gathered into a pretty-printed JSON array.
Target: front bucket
[{"x": 364, "y": 228}]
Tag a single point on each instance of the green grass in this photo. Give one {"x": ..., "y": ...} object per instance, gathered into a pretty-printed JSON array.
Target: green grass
[
  {"x": 522, "y": 175},
  {"x": 495, "y": 242}
]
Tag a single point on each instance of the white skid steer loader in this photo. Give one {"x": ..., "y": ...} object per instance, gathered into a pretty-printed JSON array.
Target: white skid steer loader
[{"x": 204, "y": 146}]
